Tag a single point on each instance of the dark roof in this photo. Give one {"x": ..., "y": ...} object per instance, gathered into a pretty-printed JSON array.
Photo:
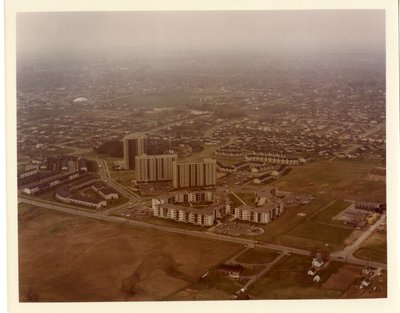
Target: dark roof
[
  {"x": 99, "y": 184},
  {"x": 107, "y": 190}
]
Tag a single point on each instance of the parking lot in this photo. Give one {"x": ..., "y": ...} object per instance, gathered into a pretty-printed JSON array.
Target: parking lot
[
  {"x": 134, "y": 213},
  {"x": 237, "y": 229}
]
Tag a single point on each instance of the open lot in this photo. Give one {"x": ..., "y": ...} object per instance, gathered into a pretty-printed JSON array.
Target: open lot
[
  {"x": 289, "y": 280},
  {"x": 343, "y": 278},
  {"x": 257, "y": 256},
  {"x": 342, "y": 179},
  {"x": 62, "y": 258}
]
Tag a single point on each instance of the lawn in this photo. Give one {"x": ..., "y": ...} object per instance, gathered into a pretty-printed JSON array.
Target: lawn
[
  {"x": 289, "y": 280},
  {"x": 257, "y": 256}
]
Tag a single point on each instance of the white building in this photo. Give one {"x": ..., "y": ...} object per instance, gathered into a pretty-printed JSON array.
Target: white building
[{"x": 263, "y": 214}]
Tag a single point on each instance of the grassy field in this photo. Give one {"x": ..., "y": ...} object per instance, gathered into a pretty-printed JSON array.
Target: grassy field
[
  {"x": 327, "y": 214},
  {"x": 69, "y": 258},
  {"x": 341, "y": 179},
  {"x": 257, "y": 256},
  {"x": 289, "y": 280},
  {"x": 312, "y": 229},
  {"x": 321, "y": 232},
  {"x": 373, "y": 249}
]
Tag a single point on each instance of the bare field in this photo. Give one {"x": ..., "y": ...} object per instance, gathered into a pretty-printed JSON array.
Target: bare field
[
  {"x": 343, "y": 279},
  {"x": 67, "y": 258}
]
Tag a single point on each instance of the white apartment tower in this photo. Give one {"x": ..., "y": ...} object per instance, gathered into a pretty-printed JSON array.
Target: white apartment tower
[
  {"x": 154, "y": 167},
  {"x": 194, "y": 174}
]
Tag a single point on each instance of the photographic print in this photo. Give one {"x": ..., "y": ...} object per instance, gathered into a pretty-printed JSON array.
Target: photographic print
[{"x": 201, "y": 155}]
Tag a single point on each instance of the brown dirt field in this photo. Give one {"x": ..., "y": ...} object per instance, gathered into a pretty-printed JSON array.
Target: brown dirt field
[
  {"x": 68, "y": 258},
  {"x": 343, "y": 278},
  {"x": 204, "y": 294}
]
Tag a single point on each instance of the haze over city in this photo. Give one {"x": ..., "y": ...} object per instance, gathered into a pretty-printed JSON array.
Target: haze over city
[{"x": 292, "y": 32}]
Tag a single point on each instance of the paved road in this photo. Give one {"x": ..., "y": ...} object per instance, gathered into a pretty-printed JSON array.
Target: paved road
[
  {"x": 233, "y": 259},
  {"x": 238, "y": 198},
  {"x": 200, "y": 234},
  {"x": 365, "y": 134},
  {"x": 348, "y": 251},
  {"x": 104, "y": 172},
  {"x": 260, "y": 274}
]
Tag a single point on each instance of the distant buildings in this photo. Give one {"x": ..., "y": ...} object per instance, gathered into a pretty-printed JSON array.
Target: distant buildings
[
  {"x": 133, "y": 145},
  {"x": 154, "y": 167},
  {"x": 274, "y": 158},
  {"x": 194, "y": 174}
]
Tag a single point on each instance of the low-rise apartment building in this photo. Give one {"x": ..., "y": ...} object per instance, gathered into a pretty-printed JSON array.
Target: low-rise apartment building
[{"x": 262, "y": 215}]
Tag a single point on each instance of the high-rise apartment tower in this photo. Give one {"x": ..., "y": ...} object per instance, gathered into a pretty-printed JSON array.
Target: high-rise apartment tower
[
  {"x": 194, "y": 174},
  {"x": 134, "y": 145}
]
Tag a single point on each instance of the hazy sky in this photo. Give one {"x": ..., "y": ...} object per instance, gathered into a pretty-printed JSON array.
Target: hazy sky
[{"x": 360, "y": 30}]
